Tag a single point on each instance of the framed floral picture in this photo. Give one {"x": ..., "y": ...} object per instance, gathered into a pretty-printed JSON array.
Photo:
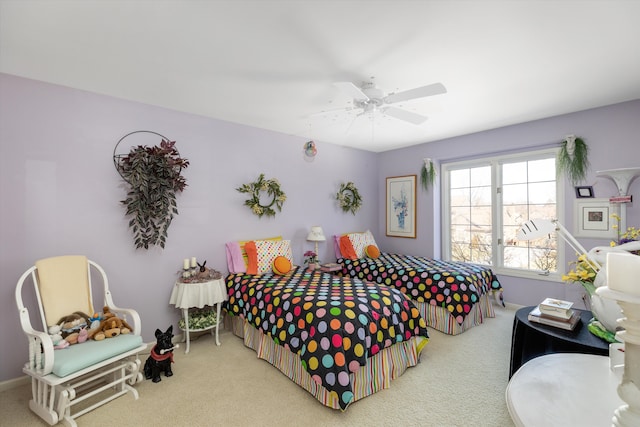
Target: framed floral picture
[{"x": 401, "y": 206}]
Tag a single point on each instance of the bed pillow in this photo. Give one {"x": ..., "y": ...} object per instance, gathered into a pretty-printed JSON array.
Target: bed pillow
[
  {"x": 346, "y": 248},
  {"x": 336, "y": 246},
  {"x": 235, "y": 262},
  {"x": 268, "y": 250},
  {"x": 359, "y": 241},
  {"x": 369, "y": 239},
  {"x": 372, "y": 251},
  {"x": 281, "y": 265},
  {"x": 243, "y": 251}
]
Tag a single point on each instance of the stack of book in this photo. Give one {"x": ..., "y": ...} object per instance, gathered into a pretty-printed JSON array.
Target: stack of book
[{"x": 555, "y": 312}]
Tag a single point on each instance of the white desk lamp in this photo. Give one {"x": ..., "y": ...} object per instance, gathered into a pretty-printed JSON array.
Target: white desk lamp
[
  {"x": 316, "y": 235},
  {"x": 537, "y": 228}
]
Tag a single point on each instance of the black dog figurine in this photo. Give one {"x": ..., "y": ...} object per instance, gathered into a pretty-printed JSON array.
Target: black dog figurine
[{"x": 161, "y": 356}]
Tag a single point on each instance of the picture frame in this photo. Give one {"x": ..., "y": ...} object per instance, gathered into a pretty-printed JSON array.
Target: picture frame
[
  {"x": 592, "y": 218},
  {"x": 584, "y": 192},
  {"x": 401, "y": 206}
]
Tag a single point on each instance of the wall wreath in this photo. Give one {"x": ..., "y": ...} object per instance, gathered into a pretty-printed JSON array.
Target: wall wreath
[
  {"x": 349, "y": 198},
  {"x": 272, "y": 188}
]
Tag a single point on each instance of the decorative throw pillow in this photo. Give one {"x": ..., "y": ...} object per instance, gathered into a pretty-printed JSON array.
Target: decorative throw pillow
[
  {"x": 243, "y": 251},
  {"x": 346, "y": 248},
  {"x": 372, "y": 251},
  {"x": 268, "y": 250},
  {"x": 359, "y": 242},
  {"x": 281, "y": 265},
  {"x": 368, "y": 238}
]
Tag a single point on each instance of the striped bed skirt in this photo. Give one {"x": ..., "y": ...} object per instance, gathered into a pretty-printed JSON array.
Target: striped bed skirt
[
  {"x": 440, "y": 319},
  {"x": 376, "y": 375}
]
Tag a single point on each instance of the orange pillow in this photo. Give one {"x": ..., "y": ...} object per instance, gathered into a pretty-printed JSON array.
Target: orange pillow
[
  {"x": 372, "y": 251},
  {"x": 281, "y": 265},
  {"x": 252, "y": 257},
  {"x": 346, "y": 248}
]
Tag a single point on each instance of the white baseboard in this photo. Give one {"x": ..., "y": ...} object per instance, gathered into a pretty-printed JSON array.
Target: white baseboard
[{"x": 16, "y": 382}]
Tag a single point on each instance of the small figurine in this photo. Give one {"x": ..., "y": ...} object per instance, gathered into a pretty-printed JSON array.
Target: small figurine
[{"x": 161, "y": 356}]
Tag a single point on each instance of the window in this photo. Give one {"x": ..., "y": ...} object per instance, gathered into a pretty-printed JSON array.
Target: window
[{"x": 484, "y": 203}]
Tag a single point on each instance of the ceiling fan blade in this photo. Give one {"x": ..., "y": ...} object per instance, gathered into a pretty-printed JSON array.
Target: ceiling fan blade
[
  {"x": 331, "y": 111},
  {"x": 352, "y": 90},
  {"x": 419, "y": 92},
  {"x": 405, "y": 115}
]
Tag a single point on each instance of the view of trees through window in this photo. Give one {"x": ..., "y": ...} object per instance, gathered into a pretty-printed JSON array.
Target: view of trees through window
[{"x": 488, "y": 203}]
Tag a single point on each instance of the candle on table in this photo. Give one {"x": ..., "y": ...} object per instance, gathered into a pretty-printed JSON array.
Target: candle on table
[
  {"x": 185, "y": 265},
  {"x": 193, "y": 262}
]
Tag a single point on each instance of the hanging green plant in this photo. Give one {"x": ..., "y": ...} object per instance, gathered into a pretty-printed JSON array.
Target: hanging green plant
[
  {"x": 349, "y": 198},
  {"x": 154, "y": 176},
  {"x": 272, "y": 188},
  {"x": 573, "y": 159},
  {"x": 427, "y": 174}
]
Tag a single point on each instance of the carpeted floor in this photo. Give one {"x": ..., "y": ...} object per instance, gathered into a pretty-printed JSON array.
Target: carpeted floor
[{"x": 460, "y": 381}]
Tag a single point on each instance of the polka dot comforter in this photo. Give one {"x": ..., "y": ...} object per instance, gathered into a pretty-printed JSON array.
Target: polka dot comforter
[
  {"x": 332, "y": 323},
  {"x": 456, "y": 286}
]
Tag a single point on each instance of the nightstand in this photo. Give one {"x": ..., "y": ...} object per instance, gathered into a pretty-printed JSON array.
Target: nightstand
[{"x": 199, "y": 295}]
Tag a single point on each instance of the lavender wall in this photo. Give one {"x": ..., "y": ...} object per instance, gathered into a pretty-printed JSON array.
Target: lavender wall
[
  {"x": 60, "y": 194},
  {"x": 612, "y": 134}
]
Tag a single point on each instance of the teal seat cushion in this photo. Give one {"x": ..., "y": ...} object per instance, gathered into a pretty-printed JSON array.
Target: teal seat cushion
[{"x": 79, "y": 356}]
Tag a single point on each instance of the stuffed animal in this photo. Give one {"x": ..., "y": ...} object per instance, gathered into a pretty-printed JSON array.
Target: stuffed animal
[
  {"x": 161, "y": 356},
  {"x": 56, "y": 337},
  {"x": 71, "y": 328},
  {"x": 110, "y": 326}
]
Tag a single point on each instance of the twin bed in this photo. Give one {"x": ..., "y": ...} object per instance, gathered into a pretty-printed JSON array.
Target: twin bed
[
  {"x": 451, "y": 296},
  {"x": 341, "y": 338}
]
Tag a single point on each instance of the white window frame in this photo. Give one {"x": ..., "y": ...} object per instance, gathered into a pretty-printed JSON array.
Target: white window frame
[{"x": 494, "y": 161}]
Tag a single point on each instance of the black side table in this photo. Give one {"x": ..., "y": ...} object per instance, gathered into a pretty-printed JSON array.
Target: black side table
[{"x": 530, "y": 339}]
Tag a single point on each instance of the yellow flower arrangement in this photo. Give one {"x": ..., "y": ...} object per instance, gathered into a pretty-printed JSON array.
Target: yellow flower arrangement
[{"x": 583, "y": 273}]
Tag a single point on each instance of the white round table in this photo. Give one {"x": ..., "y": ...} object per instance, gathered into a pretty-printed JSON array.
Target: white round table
[
  {"x": 564, "y": 389},
  {"x": 198, "y": 295}
]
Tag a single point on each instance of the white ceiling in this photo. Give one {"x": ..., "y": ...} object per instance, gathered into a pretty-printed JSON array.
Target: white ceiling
[{"x": 272, "y": 64}]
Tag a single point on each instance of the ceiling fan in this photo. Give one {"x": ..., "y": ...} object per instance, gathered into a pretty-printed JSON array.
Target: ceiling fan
[{"x": 370, "y": 98}]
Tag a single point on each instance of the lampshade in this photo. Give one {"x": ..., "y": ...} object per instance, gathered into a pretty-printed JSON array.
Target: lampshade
[
  {"x": 623, "y": 273},
  {"x": 316, "y": 234},
  {"x": 537, "y": 228}
]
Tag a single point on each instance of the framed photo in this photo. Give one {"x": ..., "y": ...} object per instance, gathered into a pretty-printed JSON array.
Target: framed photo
[
  {"x": 584, "y": 192},
  {"x": 401, "y": 206},
  {"x": 592, "y": 218}
]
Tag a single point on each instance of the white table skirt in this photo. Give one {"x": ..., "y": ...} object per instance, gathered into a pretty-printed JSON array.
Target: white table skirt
[{"x": 187, "y": 295}]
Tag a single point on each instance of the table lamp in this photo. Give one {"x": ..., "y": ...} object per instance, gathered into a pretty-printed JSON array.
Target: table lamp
[{"x": 316, "y": 235}]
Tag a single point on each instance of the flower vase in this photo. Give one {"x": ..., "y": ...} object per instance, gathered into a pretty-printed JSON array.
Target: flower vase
[{"x": 312, "y": 266}]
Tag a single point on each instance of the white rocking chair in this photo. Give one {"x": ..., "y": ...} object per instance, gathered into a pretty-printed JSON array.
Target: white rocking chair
[{"x": 63, "y": 378}]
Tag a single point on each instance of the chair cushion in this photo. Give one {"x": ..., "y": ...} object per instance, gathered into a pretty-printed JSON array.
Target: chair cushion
[{"x": 79, "y": 356}]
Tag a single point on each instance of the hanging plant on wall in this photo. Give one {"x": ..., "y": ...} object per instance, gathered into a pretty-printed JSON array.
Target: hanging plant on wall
[
  {"x": 349, "y": 198},
  {"x": 273, "y": 190},
  {"x": 427, "y": 174},
  {"x": 154, "y": 176},
  {"x": 573, "y": 159}
]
